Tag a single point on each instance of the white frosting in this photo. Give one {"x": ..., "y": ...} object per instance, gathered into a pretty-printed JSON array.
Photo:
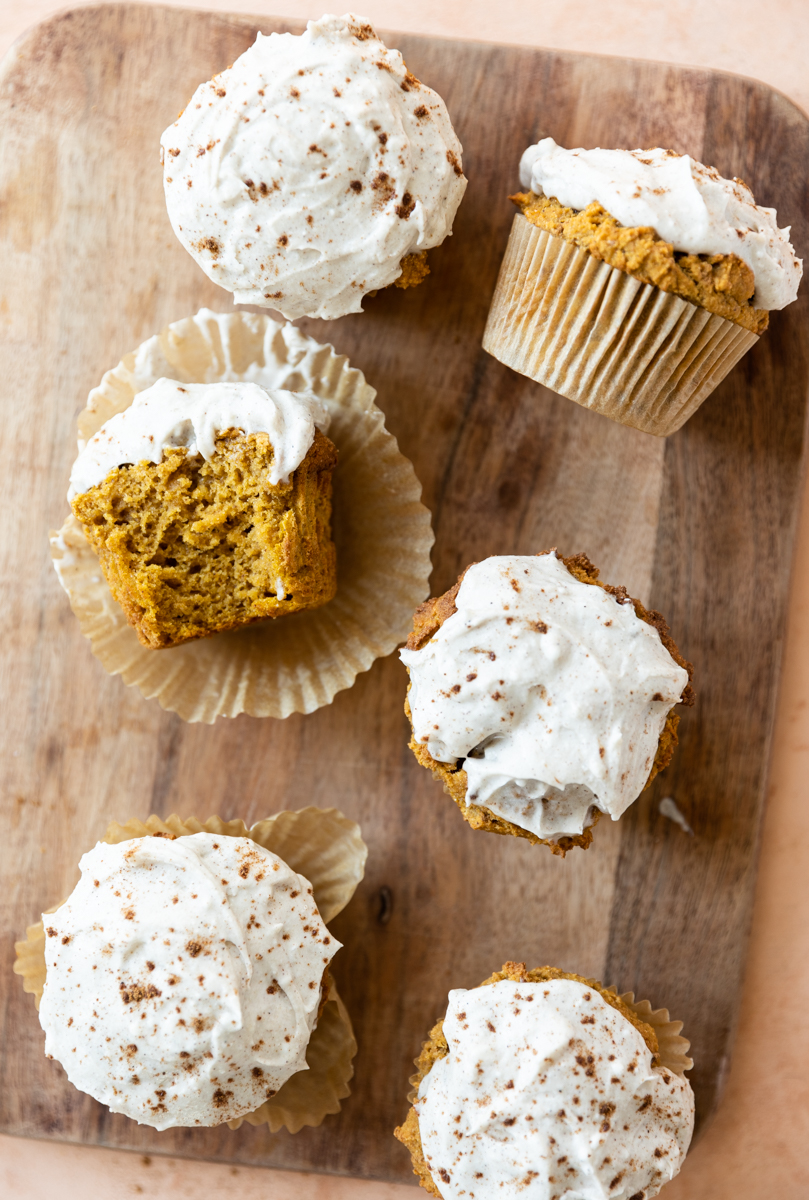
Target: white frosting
[
  {"x": 549, "y": 1093},
  {"x": 553, "y": 692},
  {"x": 192, "y": 415},
  {"x": 300, "y": 177},
  {"x": 183, "y": 978},
  {"x": 688, "y": 204}
]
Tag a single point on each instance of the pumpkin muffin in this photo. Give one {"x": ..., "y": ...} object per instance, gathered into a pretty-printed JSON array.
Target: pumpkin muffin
[
  {"x": 314, "y": 171},
  {"x": 542, "y": 1083},
  {"x": 541, "y": 697},
  {"x": 159, "y": 926},
  {"x": 634, "y": 280}
]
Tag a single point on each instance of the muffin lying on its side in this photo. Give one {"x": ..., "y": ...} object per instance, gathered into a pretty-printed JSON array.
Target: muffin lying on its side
[
  {"x": 540, "y": 696},
  {"x": 209, "y": 506},
  {"x": 542, "y": 1084},
  {"x": 634, "y": 280}
]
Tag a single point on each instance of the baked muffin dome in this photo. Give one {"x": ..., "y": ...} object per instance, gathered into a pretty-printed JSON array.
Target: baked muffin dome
[
  {"x": 303, "y": 177},
  {"x": 680, "y": 202}
]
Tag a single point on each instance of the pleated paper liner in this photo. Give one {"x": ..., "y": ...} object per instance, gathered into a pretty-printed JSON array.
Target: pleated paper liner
[
  {"x": 382, "y": 533},
  {"x": 597, "y": 335},
  {"x": 673, "y": 1049},
  {"x": 326, "y": 848}
]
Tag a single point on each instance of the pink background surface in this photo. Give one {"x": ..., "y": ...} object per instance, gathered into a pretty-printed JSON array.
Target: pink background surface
[{"x": 755, "y": 1146}]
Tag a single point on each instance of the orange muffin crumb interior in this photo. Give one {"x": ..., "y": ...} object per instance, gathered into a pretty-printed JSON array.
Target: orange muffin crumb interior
[
  {"x": 414, "y": 270},
  {"x": 192, "y": 547}
]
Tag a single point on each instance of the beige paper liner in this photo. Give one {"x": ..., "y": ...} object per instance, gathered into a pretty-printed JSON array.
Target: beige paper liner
[
  {"x": 599, "y": 336},
  {"x": 382, "y": 532},
  {"x": 673, "y": 1049},
  {"x": 327, "y": 849}
]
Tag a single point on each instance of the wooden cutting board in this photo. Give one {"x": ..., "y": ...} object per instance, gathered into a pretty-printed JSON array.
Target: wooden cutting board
[{"x": 702, "y": 526}]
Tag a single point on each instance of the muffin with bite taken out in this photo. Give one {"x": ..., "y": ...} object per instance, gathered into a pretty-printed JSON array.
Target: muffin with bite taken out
[{"x": 209, "y": 506}]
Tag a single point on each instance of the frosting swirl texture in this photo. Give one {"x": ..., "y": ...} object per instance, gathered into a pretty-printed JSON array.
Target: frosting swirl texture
[
  {"x": 192, "y": 415},
  {"x": 301, "y": 177},
  {"x": 688, "y": 204},
  {"x": 183, "y": 978},
  {"x": 548, "y": 1093},
  {"x": 553, "y": 692}
]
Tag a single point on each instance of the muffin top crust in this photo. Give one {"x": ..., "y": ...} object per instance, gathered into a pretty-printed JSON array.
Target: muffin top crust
[
  {"x": 171, "y": 414},
  {"x": 688, "y": 204},
  {"x": 552, "y": 691},
  {"x": 548, "y": 1091},
  {"x": 183, "y": 977},
  {"x": 300, "y": 177}
]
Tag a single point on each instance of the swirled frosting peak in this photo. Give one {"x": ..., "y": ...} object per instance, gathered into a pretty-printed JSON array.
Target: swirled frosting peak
[
  {"x": 549, "y": 1093},
  {"x": 183, "y": 978},
  {"x": 192, "y": 415},
  {"x": 552, "y": 692},
  {"x": 302, "y": 176},
  {"x": 688, "y": 204}
]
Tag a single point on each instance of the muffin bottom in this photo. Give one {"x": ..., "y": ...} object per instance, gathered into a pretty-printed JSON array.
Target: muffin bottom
[
  {"x": 435, "y": 1048},
  {"x": 428, "y": 619}
]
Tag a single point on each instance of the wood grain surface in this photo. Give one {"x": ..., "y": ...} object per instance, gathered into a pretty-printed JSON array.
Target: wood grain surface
[{"x": 702, "y": 526}]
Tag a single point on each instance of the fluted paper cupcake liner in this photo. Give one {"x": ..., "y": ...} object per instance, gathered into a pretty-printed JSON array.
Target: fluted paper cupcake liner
[
  {"x": 382, "y": 531},
  {"x": 673, "y": 1049},
  {"x": 327, "y": 849},
  {"x": 599, "y": 336}
]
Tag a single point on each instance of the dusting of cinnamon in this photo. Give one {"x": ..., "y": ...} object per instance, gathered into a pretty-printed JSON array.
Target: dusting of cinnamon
[
  {"x": 428, "y": 619},
  {"x": 436, "y": 1048}
]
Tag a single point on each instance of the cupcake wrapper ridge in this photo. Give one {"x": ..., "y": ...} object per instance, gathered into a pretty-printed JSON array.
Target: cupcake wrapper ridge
[
  {"x": 673, "y": 1048},
  {"x": 595, "y": 334}
]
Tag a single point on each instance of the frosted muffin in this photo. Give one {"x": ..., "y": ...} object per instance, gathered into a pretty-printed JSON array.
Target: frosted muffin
[
  {"x": 313, "y": 171},
  {"x": 184, "y": 978},
  {"x": 635, "y": 279},
  {"x": 381, "y": 532},
  {"x": 542, "y": 1084},
  {"x": 541, "y": 697},
  {"x": 209, "y": 506}
]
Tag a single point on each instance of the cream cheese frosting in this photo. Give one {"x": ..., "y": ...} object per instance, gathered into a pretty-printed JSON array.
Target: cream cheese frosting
[
  {"x": 549, "y": 1093},
  {"x": 688, "y": 204},
  {"x": 553, "y": 692},
  {"x": 300, "y": 177},
  {"x": 183, "y": 978},
  {"x": 192, "y": 415}
]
